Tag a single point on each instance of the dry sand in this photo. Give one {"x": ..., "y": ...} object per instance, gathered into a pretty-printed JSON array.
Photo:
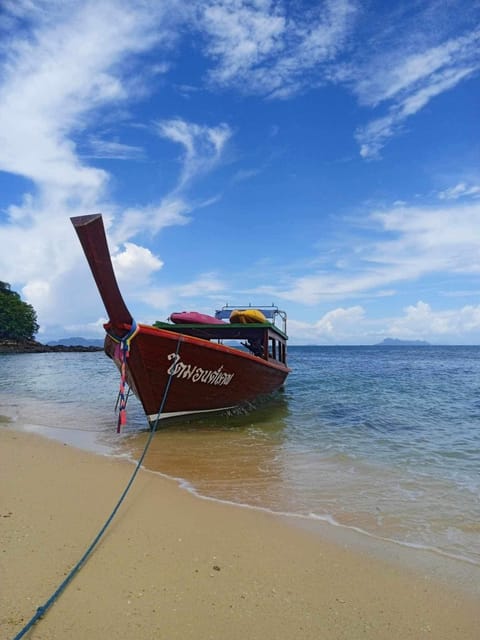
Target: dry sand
[{"x": 174, "y": 566}]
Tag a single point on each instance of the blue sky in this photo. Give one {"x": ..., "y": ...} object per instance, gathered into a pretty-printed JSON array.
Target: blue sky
[{"x": 322, "y": 156}]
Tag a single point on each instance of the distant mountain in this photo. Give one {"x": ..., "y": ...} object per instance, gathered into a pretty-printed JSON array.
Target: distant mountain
[
  {"x": 77, "y": 342},
  {"x": 395, "y": 342}
]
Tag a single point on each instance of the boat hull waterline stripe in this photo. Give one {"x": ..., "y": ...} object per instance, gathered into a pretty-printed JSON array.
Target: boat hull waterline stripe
[{"x": 174, "y": 414}]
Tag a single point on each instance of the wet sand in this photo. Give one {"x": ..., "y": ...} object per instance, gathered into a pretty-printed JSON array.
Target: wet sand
[{"x": 174, "y": 566}]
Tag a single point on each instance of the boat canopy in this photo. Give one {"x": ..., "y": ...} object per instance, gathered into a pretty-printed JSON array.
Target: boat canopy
[
  {"x": 264, "y": 339},
  {"x": 271, "y": 312},
  {"x": 222, "y": 331}
]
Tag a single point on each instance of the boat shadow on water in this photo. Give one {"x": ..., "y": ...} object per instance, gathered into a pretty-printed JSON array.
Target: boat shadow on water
[
  {"x": 220, "y": 453},
  {"x": 266, "y": 412}
]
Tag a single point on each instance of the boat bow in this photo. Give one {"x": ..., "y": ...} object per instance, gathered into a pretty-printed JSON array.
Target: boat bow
[{"x": 91, "y": 233}]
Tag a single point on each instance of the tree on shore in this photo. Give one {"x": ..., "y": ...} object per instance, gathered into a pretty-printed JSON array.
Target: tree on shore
[{"x": 18, "y": 319}]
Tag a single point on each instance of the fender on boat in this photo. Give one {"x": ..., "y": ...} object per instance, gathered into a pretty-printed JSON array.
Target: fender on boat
[
  {"x": 247, "y": 316},
  {"x": 193, "y": 317}
]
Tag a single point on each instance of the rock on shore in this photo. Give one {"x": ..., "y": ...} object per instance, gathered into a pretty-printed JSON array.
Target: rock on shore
[{"x": 32, "y": 346}]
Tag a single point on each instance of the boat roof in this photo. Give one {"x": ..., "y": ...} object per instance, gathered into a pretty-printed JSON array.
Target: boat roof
[
  {"x": 227, "y": 331},
  {"x": 271, "y": 312}
]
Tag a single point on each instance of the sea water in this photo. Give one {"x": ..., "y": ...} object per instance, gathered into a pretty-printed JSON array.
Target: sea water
[{"x": 383, "y": 440}]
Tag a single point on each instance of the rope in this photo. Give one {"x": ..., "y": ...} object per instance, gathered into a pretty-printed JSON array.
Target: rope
[
  {"x": 128, "y": 337},
  {"x": 129, "y": 390},
  {"x": 124, "y": 352},
  {"x": 42, "y": 610}
]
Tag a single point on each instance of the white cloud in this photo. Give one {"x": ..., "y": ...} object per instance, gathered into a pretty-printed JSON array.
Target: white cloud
[
  {"x": 398, "y": 71},
  {"x": 241, "y": 36},
  {"x": 408, "y": 80},
  {"x": 54, "y": 79},
  {"x": 340, "y": 321},
  {"x": 203, "y": 145},
  {"x": 114, "y": 150},
  {"x": 38, "y": 293},
  {"x": 68, "y": 66},
  {"x": 414, "y": 242},
  {"x": 335, "y": 326},
  {"x": 88, "y": 330},
  {"x": 460, "y": 190},
  {"x": 353, "y": 325},
  {"x": 65, "y": 63},
  {"x": 205, "y": 285},
  {"x": 276, "y": 50},
  {"x": 245, "y": 174},
  {"x": 135, "y": 264},
  {"x": 172, "y": 210},
  {"x": 421, "y": 321},
  {"x": 431, "y": 239},
  {"x": 266, "y": 48},
  {"x": 374, "y": 135}
]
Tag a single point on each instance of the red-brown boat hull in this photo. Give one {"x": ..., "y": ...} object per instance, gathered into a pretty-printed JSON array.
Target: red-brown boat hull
[
  {"x": 204, "y": 376},
  {"x": 182, "y": 369}
]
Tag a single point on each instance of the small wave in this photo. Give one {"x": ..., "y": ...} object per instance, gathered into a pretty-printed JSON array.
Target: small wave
[{"x": 324, "y": 518}]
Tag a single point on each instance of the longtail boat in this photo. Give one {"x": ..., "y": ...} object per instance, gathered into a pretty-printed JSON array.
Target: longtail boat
[{"x": 181, "y": 368}]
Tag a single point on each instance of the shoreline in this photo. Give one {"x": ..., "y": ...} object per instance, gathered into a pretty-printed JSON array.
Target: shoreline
[
  {"x": 463, "y": 572},
  {"x": 173, "y": 565},
  {"x": 15, "y": 347}
]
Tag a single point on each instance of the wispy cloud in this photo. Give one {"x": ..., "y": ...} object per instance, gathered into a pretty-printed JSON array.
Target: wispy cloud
[
  {"x": 273, "y": 50},
  {"x": 69, "y": 67},
  {"x": 261, "y": 47},
  {"x": 406, "y": 81},
  {"x": 241, "y": 36},
  {"x": 398, "y": 72},
  {"x": 460, "y": 190},
  {"x": 203, "y": 145},
  {"x": 100, "y": 148},
  {"x": 373, "y": 136},
  {"x": 164, "y": 300},
  {"x": 61, "y": 67},
  {"x": 418, "y": 242},
  {"x": 66, "y": 65},
  {"x": 53, "y": 79},
  {"x": 206, "y": 284},
  {"x": 151, "y": 219}
]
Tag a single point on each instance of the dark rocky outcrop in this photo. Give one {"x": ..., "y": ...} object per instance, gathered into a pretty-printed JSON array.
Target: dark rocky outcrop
[{"x": 32, "y": 346}]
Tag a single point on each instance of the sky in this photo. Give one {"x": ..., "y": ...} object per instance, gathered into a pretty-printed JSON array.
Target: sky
[{"x": 321, "y": 156}]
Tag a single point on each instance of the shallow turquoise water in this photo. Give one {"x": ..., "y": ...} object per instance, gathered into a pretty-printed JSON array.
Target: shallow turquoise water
[{"x": 381, "y": 439}]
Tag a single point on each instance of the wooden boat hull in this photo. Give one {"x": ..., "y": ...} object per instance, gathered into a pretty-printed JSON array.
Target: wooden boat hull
[
  {"x": 181, "y": 369},
  {"x": 205, "y": 376}
]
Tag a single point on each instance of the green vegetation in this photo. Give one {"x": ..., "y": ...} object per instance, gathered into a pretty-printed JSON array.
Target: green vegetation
[{"x": 18, "y": 320}]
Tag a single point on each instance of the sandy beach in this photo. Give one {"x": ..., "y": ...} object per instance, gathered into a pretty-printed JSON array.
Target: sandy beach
[{"x": 174, "y": 566}]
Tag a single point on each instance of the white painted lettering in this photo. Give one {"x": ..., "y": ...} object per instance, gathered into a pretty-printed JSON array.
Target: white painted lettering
[{"x": 197, "y": 374}]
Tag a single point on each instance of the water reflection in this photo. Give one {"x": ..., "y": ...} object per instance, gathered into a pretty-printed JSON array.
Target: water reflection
[{"x": 232, "y": 457}]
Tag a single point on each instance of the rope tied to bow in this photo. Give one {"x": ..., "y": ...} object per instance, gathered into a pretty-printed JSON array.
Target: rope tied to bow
[
  {"x": 42, "y": 610},
  {"x": 122, "y": 352}
]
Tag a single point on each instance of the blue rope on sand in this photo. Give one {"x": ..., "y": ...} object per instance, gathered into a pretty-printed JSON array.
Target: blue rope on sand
[{"x": 41, "y": 611}]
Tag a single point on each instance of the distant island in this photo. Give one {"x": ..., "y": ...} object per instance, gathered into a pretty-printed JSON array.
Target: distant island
[
  {"x": 77, "y": 342},
  {"x": 395, "y": 342}
]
